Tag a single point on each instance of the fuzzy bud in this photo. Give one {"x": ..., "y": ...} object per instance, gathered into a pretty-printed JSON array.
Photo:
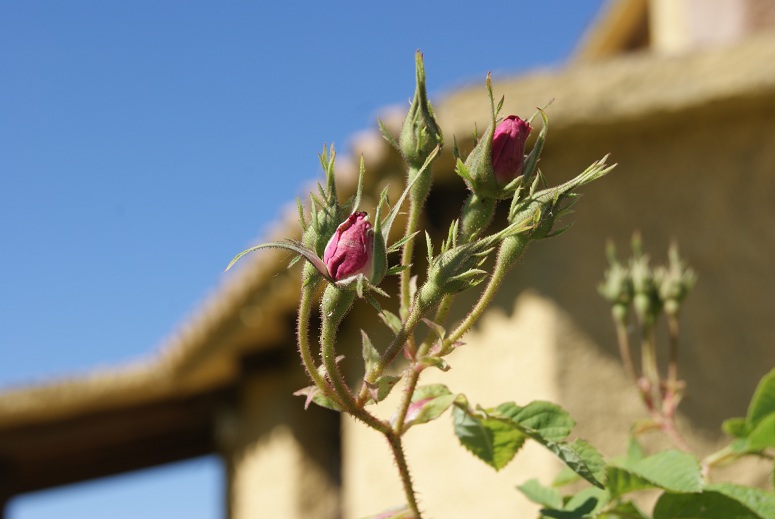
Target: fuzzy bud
[
  {"x": 420, "y": 133},
  {"x": 349, "y": 251},
  {"x": 508, "y": 148}
]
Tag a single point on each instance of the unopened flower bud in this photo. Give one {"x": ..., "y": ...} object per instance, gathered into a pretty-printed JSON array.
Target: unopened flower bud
[
  {"x": 349, "y": 251},
  {"x": 420, "y": 133},
  {"x": 508, "y": 148}
]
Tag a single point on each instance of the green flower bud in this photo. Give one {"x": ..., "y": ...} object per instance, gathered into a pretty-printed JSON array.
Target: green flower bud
[{"x": 420, "y": 133}]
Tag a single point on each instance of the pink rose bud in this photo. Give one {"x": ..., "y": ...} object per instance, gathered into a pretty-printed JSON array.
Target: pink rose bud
[
  {"x": 350, "y": 249},
  {"x": 508, "y": 148}
]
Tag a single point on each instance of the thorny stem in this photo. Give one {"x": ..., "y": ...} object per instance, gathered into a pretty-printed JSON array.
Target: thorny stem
[
  {"x": 396, "y": 446},
  {"x": 414, "y": 374},
  {"x": 305, "y": 309},
  {"x": 416, "y": 313}
]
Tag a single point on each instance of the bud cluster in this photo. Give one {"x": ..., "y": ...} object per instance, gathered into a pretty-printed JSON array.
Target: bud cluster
[
  {"x": 347, "y": 253},
  {"x": 650, "y": 291}
]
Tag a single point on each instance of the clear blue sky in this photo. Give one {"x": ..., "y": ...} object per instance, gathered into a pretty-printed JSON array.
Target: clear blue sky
[{"x": 143, "y": 144}]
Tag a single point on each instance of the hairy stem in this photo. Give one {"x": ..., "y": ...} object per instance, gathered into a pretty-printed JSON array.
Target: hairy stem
[
  {"x": 417, "y": 311},
  {"x": 302, "y": 333},
  {"x": 396, "y": 446},
  {"x": 417, "y": 195},
  {"x": 509, "y": 253}
]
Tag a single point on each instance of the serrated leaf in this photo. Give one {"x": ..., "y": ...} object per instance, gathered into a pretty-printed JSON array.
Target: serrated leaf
[
  {"x": 707, "y": 505},
  {"x": 462, "y": 171},
  {"x": 395, "y": 270},
  {"x": 491, "y": 440},
  {"x": 621, "y": 481},
  {"x": 387, "y": 135},
  {"x": 582, "y": 458},
  {"x": 400, "y": 243},
  {"x": 757, "y": 500},
  {"x": 370, "y": 353},
  {"x": 546, "y": 419},
  {"x": 313, "y": 394},
  {"x": 549, "y": 425},
  {"x": 428, "y": 403},
  {"x": 763, "y": 401},
  {"x": 434, "y": 362},
  {"x": 672, "y": 470},
  {"x": 543, "y": 495},
  {"x": 381, "y": 388},
  {"x": 437, "y": 329},
  {"x": 391, "y": 320}
]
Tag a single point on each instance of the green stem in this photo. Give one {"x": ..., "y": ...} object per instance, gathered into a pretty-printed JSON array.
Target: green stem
[
  {"x": 305, "y": 309},
  {"x": 509, "y": 253},
  {"x": 622, "y": 337},
  {"x": 418, "y": 310},
  {"x": 335, "y": 305},
  {"x": 396, "y": 446},
  {"x": 417, "y": 195},
  {"x": 649, "y": 362}
]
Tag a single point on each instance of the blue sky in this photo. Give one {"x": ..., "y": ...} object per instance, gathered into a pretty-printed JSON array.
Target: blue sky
[{"x": 145, "y": 143}]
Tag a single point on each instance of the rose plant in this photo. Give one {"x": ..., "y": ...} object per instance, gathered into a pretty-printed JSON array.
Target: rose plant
[{"x": 346, "y": 255}]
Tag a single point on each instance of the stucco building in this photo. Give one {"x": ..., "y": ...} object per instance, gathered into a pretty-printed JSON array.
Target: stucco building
[{"x": 687, "y": 112}]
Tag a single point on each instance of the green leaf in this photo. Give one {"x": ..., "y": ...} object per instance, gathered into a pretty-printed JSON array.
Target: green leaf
[
  {"x": 549, "y": 425},
  {"x": 759, "y": 501},
  {"x": 400, "y": 243},
  {"x": 313, "y": 394},
  {"x": 387, "y": 135},
  {"x": 670, "y": 470},
  {"x": 543, "y": 495},
  {"x": 621, "y": 481},
  {"x": 391, "y": 320},
  {"x": 370, "y": 353},
  {"x": 546, "y": 419},
  {"x": 635, "y": 451},
  {"x": 584, "y": 497},
  {"x": 584, "y": 504},
  {"x": 582, "y": 458},
  {"x": 382, "y": 387},
  {"x": 763, "y": 401},
  {"x": 428, "y": 403},
  {"x": 624, "y": 510},
  {"x": 707, "y": 505},
  {"x": 491, "y": 440},
  {"x": 763, "y": 435},
  {"x": 432, "y": 361},
  {"x": 736, "y": 427}
]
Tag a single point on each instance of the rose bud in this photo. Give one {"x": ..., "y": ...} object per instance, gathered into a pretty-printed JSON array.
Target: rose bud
[
  {"x": 508, "y": 148},
  {"x": 349, "y": 251}
]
